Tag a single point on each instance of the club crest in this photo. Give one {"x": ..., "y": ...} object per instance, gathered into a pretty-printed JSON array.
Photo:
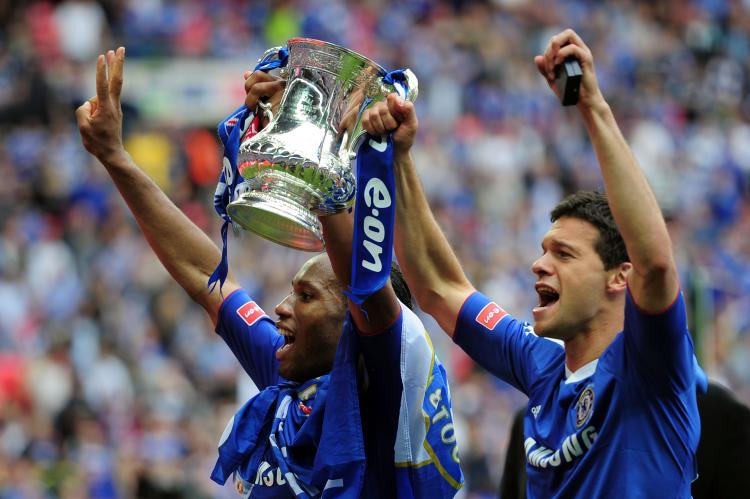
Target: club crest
[{"x": 585, "y": 405}]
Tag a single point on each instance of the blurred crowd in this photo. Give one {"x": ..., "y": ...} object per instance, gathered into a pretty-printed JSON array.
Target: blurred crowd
[{"x": 112, "y": 383}]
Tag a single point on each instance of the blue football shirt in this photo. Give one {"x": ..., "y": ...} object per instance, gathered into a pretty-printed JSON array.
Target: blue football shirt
[
  {"x": 393, "y": 426},
  {"x": 623, "y": 426}
]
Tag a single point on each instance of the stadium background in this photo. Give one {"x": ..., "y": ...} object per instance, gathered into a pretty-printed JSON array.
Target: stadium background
[{"x": 111, "y": 381}]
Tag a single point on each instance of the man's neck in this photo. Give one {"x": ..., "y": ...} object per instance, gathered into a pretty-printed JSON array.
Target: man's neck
[{"x": 587, "y": 346}]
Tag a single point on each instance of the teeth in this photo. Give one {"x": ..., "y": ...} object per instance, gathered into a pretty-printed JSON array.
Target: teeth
[
  {"x": 547, "y": 295},
  {"x": 288, "y": 336},
  {"x": 284, "y": 331}
]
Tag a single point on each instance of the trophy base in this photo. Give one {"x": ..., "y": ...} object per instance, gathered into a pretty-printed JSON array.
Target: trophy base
[{"x": 277, "y": 220}]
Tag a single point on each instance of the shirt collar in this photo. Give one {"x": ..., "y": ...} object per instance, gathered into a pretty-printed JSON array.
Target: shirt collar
[{"x": 581, "y": 373}]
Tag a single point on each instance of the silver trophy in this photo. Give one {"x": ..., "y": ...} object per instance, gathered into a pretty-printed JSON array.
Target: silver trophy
[{"x": 299, "y": 166}]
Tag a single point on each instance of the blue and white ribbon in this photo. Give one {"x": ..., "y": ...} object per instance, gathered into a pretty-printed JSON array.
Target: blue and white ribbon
[
  {"x": 320, "y": 453},
  {"x": 375, "y": 209},
  {"x": 241, "y": 124}
]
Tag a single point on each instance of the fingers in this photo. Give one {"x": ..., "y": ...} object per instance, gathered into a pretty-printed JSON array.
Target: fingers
[
  {"x": 557, "y": 50},
  {"x": 83, "y": 113},
  {"x": 561, "y": 46},
  {"x": 571, "y": 51},
  {"x": 109, "y": 71},
  {"x": 372, "y": 123},
  {"x": 257, "y": 77},
  {"x": 116, "y": 62},
  {"x": 386, "y": 116},
  {"x": 348, "y": 120},
  {"x": 94, "y": 101},
  {"x": 402, "y": 110},
  {"x": 101, "y": 79},
  {"x": 576, "y": 39},
  {"x": 553, "y": 48},
  {"x": 541, "y": 65},
  {"x": 257, "y": 88}
]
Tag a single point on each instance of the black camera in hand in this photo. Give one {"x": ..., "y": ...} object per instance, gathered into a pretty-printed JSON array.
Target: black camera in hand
[{"x": 568, "y": 81}]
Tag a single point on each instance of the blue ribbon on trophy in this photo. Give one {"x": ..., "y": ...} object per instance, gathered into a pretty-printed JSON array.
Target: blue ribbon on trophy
[
  {"x": 375, "y": 208},
  {"x": 230, "y": 181}
]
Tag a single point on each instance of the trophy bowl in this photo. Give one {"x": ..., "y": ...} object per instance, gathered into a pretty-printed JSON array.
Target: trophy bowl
[{"x": 299, "y": 166}]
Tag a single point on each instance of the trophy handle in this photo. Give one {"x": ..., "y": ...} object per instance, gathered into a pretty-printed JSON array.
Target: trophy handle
[
  {"x": 378, "y": 91},
  {"x": 273, "y": 61}
]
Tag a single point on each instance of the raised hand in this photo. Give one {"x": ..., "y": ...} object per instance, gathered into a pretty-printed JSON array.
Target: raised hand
[
  {"x": 393, "y": 115},
  {"x": 260, "y": 85},
  {"x": 100, "y": 117},
  {"x": 560, "y": 47}
]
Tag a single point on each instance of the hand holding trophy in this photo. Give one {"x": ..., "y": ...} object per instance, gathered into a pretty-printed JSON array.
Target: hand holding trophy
[{"x": 299, "y": 165}]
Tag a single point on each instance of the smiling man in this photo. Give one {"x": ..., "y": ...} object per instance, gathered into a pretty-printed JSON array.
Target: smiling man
[
  {"x": 613, "y": 413},
  {"x": 321, "y": 426}
]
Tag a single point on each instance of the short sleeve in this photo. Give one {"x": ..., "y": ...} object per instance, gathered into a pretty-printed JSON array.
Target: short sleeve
[
  {"x": 252, "y": 336},
  {"x": 506, "y": 347},
  {"x": 659, "y": 345}
]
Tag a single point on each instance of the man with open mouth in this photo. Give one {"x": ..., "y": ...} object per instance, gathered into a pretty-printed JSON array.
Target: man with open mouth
[
  {"x": 612, "y": 413},
  {"x": 320, "y": 426}
]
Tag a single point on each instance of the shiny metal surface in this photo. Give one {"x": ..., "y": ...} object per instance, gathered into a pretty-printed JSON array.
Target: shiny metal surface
[{"x": 299, "y": 166}]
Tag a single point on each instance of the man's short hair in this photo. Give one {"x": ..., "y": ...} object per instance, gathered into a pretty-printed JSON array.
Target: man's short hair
[
  {"x": 399, "y": 285},
  {"x": 592, "y": 206}
]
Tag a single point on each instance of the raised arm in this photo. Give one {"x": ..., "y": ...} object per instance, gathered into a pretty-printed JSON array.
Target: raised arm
[
  {"x": 654, "y": 281},
  {"x": 185, "y": 251},
  {"x": 430, "y": 267},
  {"x": 379, "y": 310}
]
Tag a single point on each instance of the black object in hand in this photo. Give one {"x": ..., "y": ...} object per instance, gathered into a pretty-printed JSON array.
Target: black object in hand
[{"x": 568, "y": 81}]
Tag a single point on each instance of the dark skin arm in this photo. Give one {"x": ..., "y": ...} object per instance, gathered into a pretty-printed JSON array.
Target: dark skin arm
[
  {"x": 259, "y": 85},
  {"x": 382, "y": 308},
  {"x": 185, "y": 251}
]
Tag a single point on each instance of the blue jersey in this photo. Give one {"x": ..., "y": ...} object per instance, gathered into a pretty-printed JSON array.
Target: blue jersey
[
  {"x": 624, "y": 425},
  {"x": 393, "y": 418}
]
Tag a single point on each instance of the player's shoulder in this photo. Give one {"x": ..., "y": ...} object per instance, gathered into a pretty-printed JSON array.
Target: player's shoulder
[
  {"x": 675, "y": 312},
  {"x": 240, "y": 310},
  {"x": 416, "y": 342},
  {"x": 409, "y": 319}
]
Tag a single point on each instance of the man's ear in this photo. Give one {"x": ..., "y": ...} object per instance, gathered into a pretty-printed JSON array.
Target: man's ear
[{"x": 617, "y": 281}]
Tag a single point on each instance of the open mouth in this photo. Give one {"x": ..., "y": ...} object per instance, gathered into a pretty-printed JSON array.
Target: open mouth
[
  {"x": 547, "y": 295},
  {"x": 288, "y": 336},
  {"x": 288, "y": 340}
]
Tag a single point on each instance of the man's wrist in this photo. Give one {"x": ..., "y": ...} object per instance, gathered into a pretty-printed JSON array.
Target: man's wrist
[
  {"x": 115, "y": 158},
  {"x": 596, "y": 110},
  {"x": 402, "y": 159}
]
